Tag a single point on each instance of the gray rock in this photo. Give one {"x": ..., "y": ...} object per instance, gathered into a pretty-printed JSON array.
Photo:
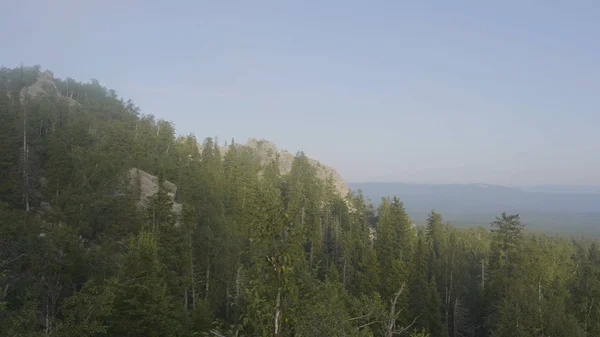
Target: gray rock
[
  {"x": 267, "y": 150},
  {"x": 148, "y": 187},
  {"x": 44, "y": 86}
]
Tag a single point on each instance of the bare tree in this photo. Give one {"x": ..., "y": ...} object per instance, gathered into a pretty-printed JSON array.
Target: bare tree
[{"x": 391, "y": 328}]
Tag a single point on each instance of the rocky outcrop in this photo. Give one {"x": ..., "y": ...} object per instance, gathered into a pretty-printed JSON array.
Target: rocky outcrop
[
  {"x": 148, "y": 187},
  {"x": 267, "y": 150},
  {"x": 45, "y": 86}
]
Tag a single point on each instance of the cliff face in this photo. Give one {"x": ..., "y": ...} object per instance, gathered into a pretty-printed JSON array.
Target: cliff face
[{"x": 267, "y": 150}]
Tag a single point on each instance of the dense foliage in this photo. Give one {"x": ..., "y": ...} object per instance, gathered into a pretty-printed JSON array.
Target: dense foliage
[{"x": 252, "y": 252}]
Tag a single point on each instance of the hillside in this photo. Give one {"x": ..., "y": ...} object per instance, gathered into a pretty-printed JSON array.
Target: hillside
[
  {"x": 113, "y": 225},
  {"x": 94, "y": 194}
]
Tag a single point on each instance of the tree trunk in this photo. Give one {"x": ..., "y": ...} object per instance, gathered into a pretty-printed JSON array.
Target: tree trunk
[
  {"x": 244, "y": 198},
  {"x": 227, "y": 300},
  {"x": 449, "y": 291},
  {"x": 25, "y": 157},
  {"x": 389, "y": 332},
  {"x": 454, "y": 327},
  {"x": 344, "y": 274},
  {"x": 517, "y": 320},
  {"x": 185, "y": 299},
  {"x": 482, "y": 274},
  {"x": 277, "y": 328},
  {"x": 237, "y": 283},
  {"x": 206, "y": 289},
  {"x": 154, "y": 219},
  {"x": 47, "y": 329},
  {"x": 193, "y": 280},
  {"x": 446, "y": 292},
  {"x": 540, "y": 304}
]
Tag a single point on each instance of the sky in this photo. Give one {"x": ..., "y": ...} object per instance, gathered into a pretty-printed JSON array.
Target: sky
[{"x": 497, "y": 92}]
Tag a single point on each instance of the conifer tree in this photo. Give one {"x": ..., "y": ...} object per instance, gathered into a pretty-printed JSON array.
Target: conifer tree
[
  {"x": 143, "y": 306},
  {"x": 252, "y": 252}
]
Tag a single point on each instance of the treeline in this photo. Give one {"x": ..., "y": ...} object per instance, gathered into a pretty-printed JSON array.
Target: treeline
[{"x": 252, "y": 252}]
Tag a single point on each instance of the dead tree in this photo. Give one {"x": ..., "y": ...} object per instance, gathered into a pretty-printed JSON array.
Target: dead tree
[{"x": 391, "y": 329}]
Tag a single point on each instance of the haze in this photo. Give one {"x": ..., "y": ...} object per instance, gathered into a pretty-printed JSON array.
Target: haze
[{"x": 451, "y": 92}]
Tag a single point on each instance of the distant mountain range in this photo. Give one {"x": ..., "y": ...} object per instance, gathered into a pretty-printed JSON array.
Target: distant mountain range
[
  {"x": 583, "y": 189},
  {"x": 560, "y": 208}
]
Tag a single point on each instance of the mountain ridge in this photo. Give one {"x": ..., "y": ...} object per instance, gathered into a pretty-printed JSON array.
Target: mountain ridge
[{"x": 44, "y": 85}]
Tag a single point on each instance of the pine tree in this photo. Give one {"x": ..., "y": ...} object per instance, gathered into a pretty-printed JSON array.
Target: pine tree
[
  {"x": 506, "y": 291},
  {"x": 278, "y": 263},
  {"x": 394, "y": 246},
  {"x": 302, "y": 195},
  {"x": 143, "y": 306},
  {"x": 252, "y": 252},
  {"x": 424, "y": 298}
]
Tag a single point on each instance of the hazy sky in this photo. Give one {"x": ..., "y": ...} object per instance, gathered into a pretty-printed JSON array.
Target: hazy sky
[{"x": 504, "y": 92}]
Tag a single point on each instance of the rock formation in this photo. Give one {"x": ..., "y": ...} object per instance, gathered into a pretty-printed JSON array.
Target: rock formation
[
  {"x": 45, "y": 86},
  {"x": 267, "y": 150},
  {"x": 148, "y": 187}
]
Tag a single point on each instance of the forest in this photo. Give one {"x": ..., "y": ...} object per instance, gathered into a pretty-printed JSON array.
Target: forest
[{"x": 251, "y": 251}]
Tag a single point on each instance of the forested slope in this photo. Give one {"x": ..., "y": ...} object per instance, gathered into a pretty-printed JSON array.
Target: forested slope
[{"x": 250, "y": 251}]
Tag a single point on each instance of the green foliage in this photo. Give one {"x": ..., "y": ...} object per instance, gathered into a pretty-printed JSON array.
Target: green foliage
[
  {"x": 421, "y": 333},
  {"x": 425, "y": 301},
  {"x": 87, "y": 312},
  {"x": 142, "y": 305},
  {"x": 240, "y": 248},
  {"x": 326, "y": 312}
]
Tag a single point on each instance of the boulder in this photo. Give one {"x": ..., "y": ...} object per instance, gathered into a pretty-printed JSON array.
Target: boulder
[
  {"x": 148, "y": 187},
  {"x": 45, "y": 86}
]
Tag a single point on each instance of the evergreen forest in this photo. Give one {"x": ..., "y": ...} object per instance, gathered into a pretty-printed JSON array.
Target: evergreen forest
[{"x": 240, "y": 248}]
